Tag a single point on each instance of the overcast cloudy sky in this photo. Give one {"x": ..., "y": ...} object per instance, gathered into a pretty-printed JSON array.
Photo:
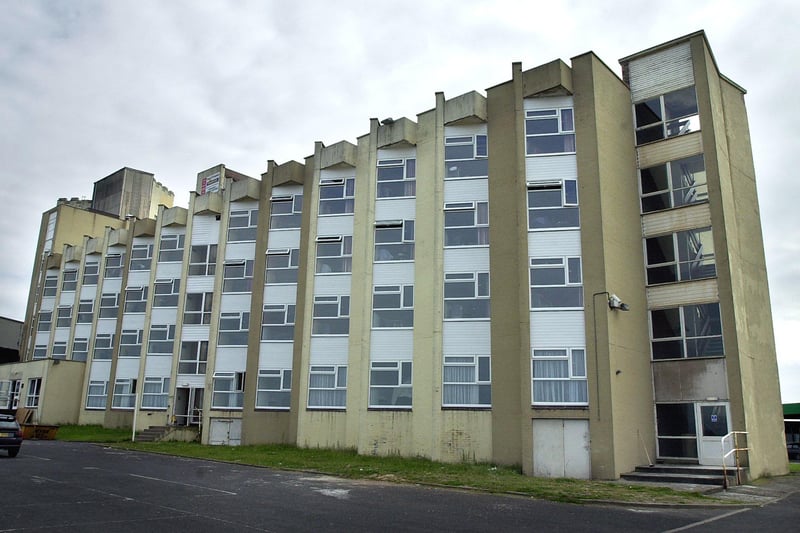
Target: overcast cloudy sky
[{"x": 174, "y": 87}]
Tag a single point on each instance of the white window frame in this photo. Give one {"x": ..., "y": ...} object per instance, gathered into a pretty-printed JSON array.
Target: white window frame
[
  {"x": 683, "y": 336},
  {"x": 85, "y": 311},
  {"x": 233, "y": 395},
  {"x": 44, "y": 321},
  {"x": 480, "y": 154},
  {"x": 408, "y": 181},
  {"x": 402, "y": 306},
  {"x": 319, "y": 319},
  {"x": 50, "y": 285},
  {"x": 198, "y": 350},
  {"x": 284, "y": 329},
  {"x": 473, "y": 388},
  {"x": 568, "y": 190},
  {"x": 574, "y": 374},
  {"x": 155, "y": 393},
  {"x": 237, "y": 276},
  {"x": 692, "y": 185},
  {"x": 479, "y": 225},
  {"x": 394, "y": 241},
  {"x": 700, "y": 265},
  {"x": 80, "y": 348},
  {"x": 667, "y": 127},
  {"x": 290, "y": 218},
  {"x": 400, "y": 388},
  {"x": 565, "y": 129},
  {"x": 274, "y": 389},
  {"x": 243, "y": 225},
  {"x": 206, "y": 267},
  {"x": 63, "y": 316},
  {"x": 34, "y": 393},
  {"x": 166, "y": 292},
  {"x": 135, "y": 300},
  {"x": 130, "y": 343},
  {"x": 283, "y": 265},
  {"x": 571, "y": 283},
  {"x": 201, "y": 315},
  {"x": 91, "y": 272},
  {"x": 226, "y": 320},
  {"x": 124, "y": 396},
  {"x": 93, "y": 396},
  {"x": 171, "y": 248},
  {"x": 481, "y": 292},
  {"x": 106, "y": 309},
  {"x": 114, "y": 265},
  {"x": 69, "y": 280},
  {"x": 337, "y": 196},
  {"x": 40, "y": 351},
  {"x": 342, "y": 263},
  {"x": 141, "y": 257},
  {"x": 103, "y": 342},
  {"x": 327, "y": 395},
  {"x": 161, "y": 340}
]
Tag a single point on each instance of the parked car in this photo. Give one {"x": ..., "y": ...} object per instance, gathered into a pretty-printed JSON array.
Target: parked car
[
  {"x": 10, "y": 435},
  {"x": 794, "y": 451}
]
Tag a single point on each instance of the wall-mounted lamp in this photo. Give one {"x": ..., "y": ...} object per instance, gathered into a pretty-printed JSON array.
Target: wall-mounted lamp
[{"x": 614, "y": 302}]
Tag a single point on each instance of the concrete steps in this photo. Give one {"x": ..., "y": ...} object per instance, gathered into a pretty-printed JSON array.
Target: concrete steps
[
  {"x": 151, "y": 434},
  {"x": 677, "y": 473}
]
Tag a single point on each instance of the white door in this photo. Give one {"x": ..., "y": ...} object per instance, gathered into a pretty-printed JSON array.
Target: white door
[{"x": 712, "y": 425}]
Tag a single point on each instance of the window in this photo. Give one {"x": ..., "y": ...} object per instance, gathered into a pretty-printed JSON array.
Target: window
[
  {"x": 155, "y": 393},
  {"x": 559, "y": 377},
  {"x": 556, "y": 283},
  {"x": 50, "y": 285},
  {"x": 141, "y": 256},
  {"x": 277, "y": 322},
  {"x": 397, "y": 178},
  {"x": 233, "y": 328},
  {"x": 677, "y": 430},
  {"x": 668, "y": 115},
  {"x": 243, "y": 225},
  {"x": 193, "y": 357},
  {"x": 390, "y": 384},
  {"x": 681, "y": 256},
  {"x": 285, "y": 211},
  {"x": 69, "y": 280},
  {"x": 135, "y": 299},
  {"x": 80, "y": 349},
  {"x": 393, "y": 306},
  {"x": 673, "y": 184},
  {"x": 109, "y": 305},
  {"x": 331, "y": 315},
  {"x": 466, "y": 224},
  {"x": 274, "y": 389},
  {"x": 282, "y": 265},
  {"x": 90, "y": 273},
  {"x": 334, "y": 254},
  {"x": 162, "y": 338},
  {"x": 228, "y": 390},
  {"x": 85, "y": 311},
  {"x": 549, "y": 131},
  {"x": 40, "y": 351},
  {"x": 103, "y": 346},
  {"x": 327, "y": 387},
  {"x": 34, "y": 390},
  {"x": 60, "y": 350},
  {"x": 203, "y": 260},
  {"x": 166, "y": 292},
  {"x": 198, "y": 308},
  {"x": 336, "y": 196},
  {"x": 466, "y": 296},
  {"x": 394, "y": 240},
  {"x": 45, "y": 321},
  {"x": 238, "y": 276},
  {"x": 170, "y": 249},
  {"x": 124, "y": 393},
  {"x": 96, "y": 395},
  {"x": 63, "y": 316},
  {"x": 553, "y": 205},
  {"x": 466, "y": 156},
  {"x": 114, "y": 266},
  {"x": 130, "y": 343},
  {"x": 688, "y": 331},
  {"x": 467, "y": 381}
]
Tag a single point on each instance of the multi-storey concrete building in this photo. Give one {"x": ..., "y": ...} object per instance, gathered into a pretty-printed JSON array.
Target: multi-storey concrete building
[{"x": 450, "y": 287}]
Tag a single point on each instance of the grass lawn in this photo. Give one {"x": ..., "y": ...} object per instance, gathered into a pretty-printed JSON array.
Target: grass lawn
[{"x": 348, "y": 464}]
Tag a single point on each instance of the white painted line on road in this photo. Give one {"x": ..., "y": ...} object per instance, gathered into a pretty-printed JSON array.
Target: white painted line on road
[
  {"x": 706, "y": 521},
  {"x": 184, "y": 484},
  {"x": 37, "y": 457},
  {"x": 339, "y": 494}
]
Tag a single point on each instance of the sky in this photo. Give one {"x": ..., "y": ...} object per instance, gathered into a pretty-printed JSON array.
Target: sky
[{"x": 175, "y": 87}]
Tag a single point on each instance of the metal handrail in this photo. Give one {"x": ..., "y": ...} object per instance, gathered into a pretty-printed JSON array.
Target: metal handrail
[{"x": 734, "y": 450}]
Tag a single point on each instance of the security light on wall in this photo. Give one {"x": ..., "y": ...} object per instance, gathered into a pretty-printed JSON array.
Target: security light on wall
[{"x": 614, "y": 302}]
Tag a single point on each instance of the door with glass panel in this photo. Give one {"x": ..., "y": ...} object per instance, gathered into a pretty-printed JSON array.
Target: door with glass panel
[{"x": 692, "y": 432}]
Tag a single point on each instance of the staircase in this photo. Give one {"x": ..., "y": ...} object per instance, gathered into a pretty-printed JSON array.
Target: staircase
[
  {"x": 152, "y": 434},
  {"x": 679, "y": 473}
]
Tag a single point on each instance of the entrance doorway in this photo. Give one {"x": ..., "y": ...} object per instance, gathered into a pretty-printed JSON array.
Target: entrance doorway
[
  {"x": 188, "y": 406},
  {"x": 692, "y": 432}
]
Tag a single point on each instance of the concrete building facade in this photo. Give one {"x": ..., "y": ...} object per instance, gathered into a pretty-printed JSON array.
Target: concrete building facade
[{"x": 565, "y": 273}]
